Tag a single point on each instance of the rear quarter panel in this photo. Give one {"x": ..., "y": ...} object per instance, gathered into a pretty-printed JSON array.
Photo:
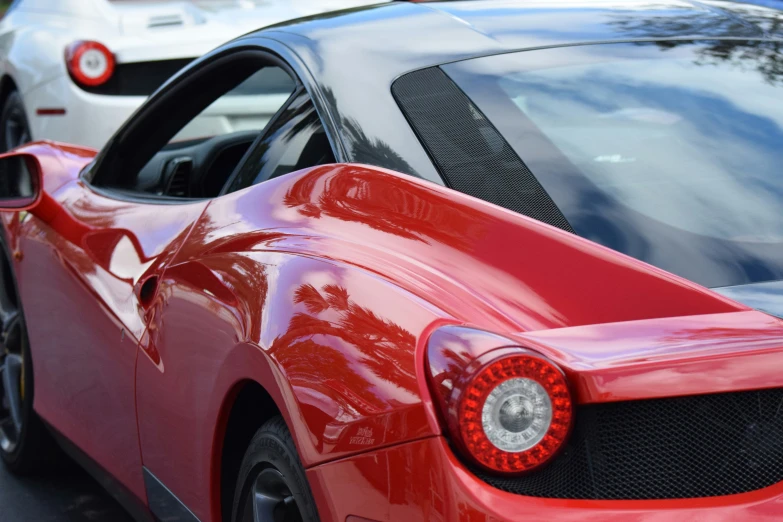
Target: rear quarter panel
[
  {"x": 324, "y": 285},
  {"x": 334, "y": 346}
]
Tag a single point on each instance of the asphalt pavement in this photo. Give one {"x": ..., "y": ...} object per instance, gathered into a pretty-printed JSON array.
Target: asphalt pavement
[{"x": 69, "y": 495}]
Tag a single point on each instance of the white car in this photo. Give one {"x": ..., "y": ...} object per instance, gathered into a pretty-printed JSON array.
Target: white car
[{"x": 74, "y": 70}]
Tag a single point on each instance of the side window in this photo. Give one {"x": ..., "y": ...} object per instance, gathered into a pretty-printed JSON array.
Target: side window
[
  {"x": 188, "y": 140},
  {"x": 247, "y": 107},
  {"x": 199, "y": 159},
  {"x": 294, "y": 141}
]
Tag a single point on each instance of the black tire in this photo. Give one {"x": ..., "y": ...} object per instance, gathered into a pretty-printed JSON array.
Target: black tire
[
  {"x": 14, "y": 127},
  {"x": 272, "y": 467},
  {"x": 30, "y": 448}
]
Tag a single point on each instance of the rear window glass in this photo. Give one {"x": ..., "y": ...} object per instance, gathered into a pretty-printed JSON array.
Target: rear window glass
[{"x": 671, "y": 152}]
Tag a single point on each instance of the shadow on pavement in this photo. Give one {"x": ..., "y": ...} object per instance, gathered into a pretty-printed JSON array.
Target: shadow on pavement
[{"x": 67, "y": 495}]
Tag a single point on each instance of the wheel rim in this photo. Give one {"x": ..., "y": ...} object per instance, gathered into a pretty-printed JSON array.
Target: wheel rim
[
  {"x": 16, "y": 131},
  {"x": 270, "y": 500},
  {"x": 11, "y": 368}
]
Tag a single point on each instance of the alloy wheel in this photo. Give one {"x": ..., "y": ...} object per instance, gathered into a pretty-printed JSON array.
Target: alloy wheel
[
  {"x": 12, "y": 384},
  {"x": 16, "y": 131},
  {"x": 270, "y": 499}
]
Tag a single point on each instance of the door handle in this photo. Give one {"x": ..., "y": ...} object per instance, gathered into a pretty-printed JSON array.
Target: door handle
[{"x": 146, "y": 289}]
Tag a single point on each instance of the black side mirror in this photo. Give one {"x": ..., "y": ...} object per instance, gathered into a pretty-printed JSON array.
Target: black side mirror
[{"x": 20, "y": 182}]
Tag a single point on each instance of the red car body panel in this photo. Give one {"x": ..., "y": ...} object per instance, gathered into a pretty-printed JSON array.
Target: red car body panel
[
  {"x": 84, "y": 317},
  {"x": 326, "y": 286},
  {"x": 423, "y": 481},
  {"x": 651, "y": 358},
  {"x": 668, "y": 357}
]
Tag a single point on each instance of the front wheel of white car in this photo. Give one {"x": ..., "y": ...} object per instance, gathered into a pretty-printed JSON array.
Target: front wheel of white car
[{"x": 14, "y": 128}]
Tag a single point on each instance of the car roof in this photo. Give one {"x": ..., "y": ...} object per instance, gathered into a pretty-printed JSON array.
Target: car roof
[
  {"x": 463, "y": 29},
  {"x": 355, "y": 55}
]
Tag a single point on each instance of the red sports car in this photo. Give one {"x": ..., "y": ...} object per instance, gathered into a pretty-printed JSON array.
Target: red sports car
[{"x": 490, "y": 260}]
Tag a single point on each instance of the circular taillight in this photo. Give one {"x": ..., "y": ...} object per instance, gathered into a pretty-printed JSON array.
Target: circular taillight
[
  {"x": 515, "y": 413},
  {"x": 90, "y": 63}
]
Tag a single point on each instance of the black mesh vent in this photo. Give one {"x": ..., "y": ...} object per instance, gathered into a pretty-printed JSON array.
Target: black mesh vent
[
  {"x": 139, "y": 78},
  {"x": 685, "y": 447},
  {"x": 469, "y": 152}
]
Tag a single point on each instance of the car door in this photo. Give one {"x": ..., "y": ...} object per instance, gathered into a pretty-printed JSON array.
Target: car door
[
  {"x": 85, "y": 307},
  {"x": 191, "y": 332},
  {"x": 88, "y": 287},
  {"x": 87, "y": 295}
]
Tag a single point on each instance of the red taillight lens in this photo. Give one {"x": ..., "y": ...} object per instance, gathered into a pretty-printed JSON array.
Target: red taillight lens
[
  {"x": 514, "y": 413},
  {"x": 90, "y": 63}
]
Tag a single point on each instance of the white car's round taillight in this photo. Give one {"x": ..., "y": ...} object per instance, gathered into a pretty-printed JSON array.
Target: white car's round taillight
[
  {"x": 90, "y": 63},
  {"x": 515, "y": 413}
]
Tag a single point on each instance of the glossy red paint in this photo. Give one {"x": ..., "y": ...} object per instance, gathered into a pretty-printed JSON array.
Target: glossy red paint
[
  {"x": 343, "y": 374},
  {"x": 473, "y": 259},
  {"x": 422, "y": 481},
  {"x": 78, "y": 276},
  {"x": 354, "y": 282},
  {"x": 326, "y": 286},
  {"x": 668, "y": 357},
  {"x": 644, "y": 359},
  {"x": 50, "y": 165}
]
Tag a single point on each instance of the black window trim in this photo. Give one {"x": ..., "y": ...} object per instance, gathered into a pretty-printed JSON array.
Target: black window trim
[
  {"x": 299, "y": 92},
  {"x": 274, "y": 41},
  {"x": 261, "y": 135}
]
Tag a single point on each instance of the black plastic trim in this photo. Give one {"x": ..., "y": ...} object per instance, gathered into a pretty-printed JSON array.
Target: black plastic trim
[
  {"x": 137, "y": 78},
  {"x": 298, "y": 94},
  {"x": 270, "y": 42},
  {"x": 270, "y": 125},
  {"x": 127, "y": 499},
  {"x": 685, "y": 447},
  {"x": 131, "y": 196},
  {"x": 466, "y": 148},
  {"x": 164, "y": 504}
]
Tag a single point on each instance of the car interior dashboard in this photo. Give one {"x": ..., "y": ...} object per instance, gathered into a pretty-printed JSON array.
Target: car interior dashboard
[{"x": 196, "y": 168}]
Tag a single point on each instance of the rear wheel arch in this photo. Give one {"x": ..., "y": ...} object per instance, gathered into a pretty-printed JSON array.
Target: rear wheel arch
[{"x": 247, "y": 406}]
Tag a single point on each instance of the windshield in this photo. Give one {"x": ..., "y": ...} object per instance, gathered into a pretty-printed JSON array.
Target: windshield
[{"x": 671, "y": 152}]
